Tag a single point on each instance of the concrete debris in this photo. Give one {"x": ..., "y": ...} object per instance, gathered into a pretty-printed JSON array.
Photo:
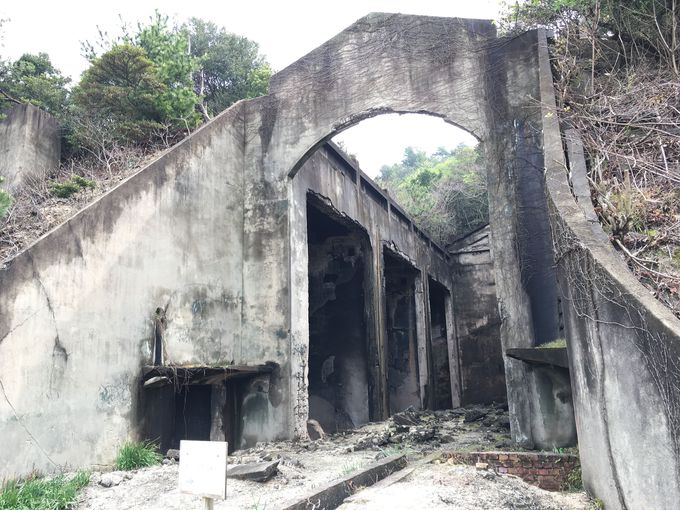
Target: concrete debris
[
  {"x": 294, "y": 468},
  {"x": 260, "y": 472},
  {"x": 474, "y": 414}
]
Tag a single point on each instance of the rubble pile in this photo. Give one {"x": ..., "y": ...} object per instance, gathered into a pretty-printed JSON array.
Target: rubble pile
[{"x": 476, "y": 427}]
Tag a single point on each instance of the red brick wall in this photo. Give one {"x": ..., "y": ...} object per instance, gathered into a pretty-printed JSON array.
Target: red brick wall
[{"x": 546, "y": 470}]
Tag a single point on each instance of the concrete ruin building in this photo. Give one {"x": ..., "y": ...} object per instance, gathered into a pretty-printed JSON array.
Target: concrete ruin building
[{"x": 252, "y": 278}]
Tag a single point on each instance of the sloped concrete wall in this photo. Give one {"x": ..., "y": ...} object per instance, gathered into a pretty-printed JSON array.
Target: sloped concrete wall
[
  {"x": 624, "y": 347},
  {"x": 77, "y": 308}
]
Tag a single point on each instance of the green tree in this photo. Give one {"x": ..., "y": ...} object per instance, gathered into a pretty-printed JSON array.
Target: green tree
[
  {"x": 121, "y": 88},
  {"x": 168, "y": 48},
  {"x": 33, "y": 79},
  {"x": 230, "y": 67},
  {"x": 445, "y": 192}
]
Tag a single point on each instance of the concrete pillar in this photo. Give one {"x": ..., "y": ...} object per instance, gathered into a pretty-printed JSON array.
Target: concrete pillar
[
  {"x": 423, "y": 334},
  {"x": 218, "y": 403},
  {"x": 30, "y": 145},
  {"x": 380, "y": 307},
  {"x": 454, "y": 353}
]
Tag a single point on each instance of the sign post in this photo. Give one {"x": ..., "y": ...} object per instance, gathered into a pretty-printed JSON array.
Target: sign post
[{"x": 203, "y": 470}]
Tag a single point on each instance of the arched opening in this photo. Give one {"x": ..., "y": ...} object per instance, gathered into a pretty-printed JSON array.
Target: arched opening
[{"x": 379, "y": 298}]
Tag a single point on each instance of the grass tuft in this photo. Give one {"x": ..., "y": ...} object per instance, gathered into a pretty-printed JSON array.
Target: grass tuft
[
  {"x": 137, "y": 455},
  {"x": 57, "y": 493},
  {"x": 560, "y": 343}
]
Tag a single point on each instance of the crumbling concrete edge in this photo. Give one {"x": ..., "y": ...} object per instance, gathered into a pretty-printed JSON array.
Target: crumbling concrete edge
[
  {"x": 334, "y": 493},
  {"x": 396, "y": 476}
]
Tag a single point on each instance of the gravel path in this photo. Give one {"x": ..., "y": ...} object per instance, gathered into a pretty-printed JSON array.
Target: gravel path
[{"x": 464, "y": 488}]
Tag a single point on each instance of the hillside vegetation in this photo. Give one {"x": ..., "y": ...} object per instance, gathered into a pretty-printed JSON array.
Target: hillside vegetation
[
  {"x": 617, "y": 73},
  {"x": 143, "y": 91},
  {"x": 445, "y": 192}
]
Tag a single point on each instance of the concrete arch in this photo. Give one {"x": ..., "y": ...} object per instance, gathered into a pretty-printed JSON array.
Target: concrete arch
[
  {"x": 455, "y": 69},
  {"x": 359, "y": 117}
]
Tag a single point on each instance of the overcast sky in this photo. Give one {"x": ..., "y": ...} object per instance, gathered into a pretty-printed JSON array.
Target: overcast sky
[{"x": 285, "y": 31}]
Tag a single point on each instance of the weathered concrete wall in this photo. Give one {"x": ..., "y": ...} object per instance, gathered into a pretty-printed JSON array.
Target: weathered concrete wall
[
  {"x": 475, "y": 311},
  {"x": 30, "y": 144},
  {"x": 514, "y": 153},
  {"x": 624, "y": 347},
  {"x": 77, "y": 308}
]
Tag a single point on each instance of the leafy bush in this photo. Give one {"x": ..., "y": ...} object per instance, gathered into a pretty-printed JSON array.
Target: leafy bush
[
  {"x": 5, "y": 201},
  {"x": 43, "y": 494},
  {"x": 71, "y": 186},
  {"x": 137, "y": 455}
]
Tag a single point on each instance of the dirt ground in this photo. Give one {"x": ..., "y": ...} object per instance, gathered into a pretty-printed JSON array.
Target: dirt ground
[{"x": 307, "y": 465}]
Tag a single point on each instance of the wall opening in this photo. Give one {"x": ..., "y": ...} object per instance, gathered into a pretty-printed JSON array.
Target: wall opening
[
  {"x": 202, "y": 412},
  {"x": 339, "y": 337},
  {"x": 400, "y": 323},
  {"x": 477, "y": 318},
  {"x": 441, "y": 372}
]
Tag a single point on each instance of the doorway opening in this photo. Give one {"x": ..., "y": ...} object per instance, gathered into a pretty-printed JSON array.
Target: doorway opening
[
  {"x": 400, "y": 322},
  {"x": 339, "y": 258},
  {"x": 439, "y": 347}
]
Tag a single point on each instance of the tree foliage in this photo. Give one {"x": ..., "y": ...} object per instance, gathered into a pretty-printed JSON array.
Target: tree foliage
[
  {"x": 230, "y": 66},
  {"x": 445, "y": 192},
  {"x": 158, "y": 80},
  {"x": 140, "y": 85},
  {"x": 33, "y": 79},
  {"x": 638, "y": 28}
]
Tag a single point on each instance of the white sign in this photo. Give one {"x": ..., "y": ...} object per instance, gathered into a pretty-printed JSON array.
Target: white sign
[{"x": 203, "y": 468}]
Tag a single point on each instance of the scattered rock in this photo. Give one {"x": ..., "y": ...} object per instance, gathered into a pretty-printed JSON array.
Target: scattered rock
[
  {"x": 408, "y": 417},
  {"x": 110, "y": 480},
  {"x": 501, "y": 406},
  {"x": 422, "y": 434},
  {"x": 503, "y": 422},
  {"x": 481, "y": 465},
  {"x": 474, "y": 414}
]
